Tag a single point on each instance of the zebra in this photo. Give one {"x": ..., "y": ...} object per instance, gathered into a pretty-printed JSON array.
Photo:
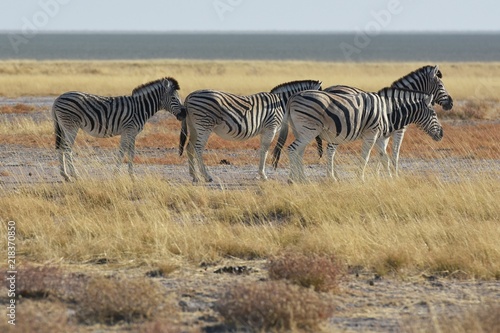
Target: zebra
[
  {"x": 426, "y": 79},
  {"x": 234, "y": 117},
  {"x": 104, "y": 117},
  {"x": 340, "y": 118}
]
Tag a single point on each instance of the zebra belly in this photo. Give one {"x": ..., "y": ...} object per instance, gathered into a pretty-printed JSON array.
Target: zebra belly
[
  {"x": 234, "y": 133},
  {"x": 104, "y": 131}
]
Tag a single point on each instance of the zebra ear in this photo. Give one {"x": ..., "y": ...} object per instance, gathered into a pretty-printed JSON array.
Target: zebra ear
[
  {"x": 437, "y": 72},
  {"x": 170, "y": 84}
]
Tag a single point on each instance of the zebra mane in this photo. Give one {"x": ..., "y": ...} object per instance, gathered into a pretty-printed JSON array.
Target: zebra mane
[
  {"x": 147, "y": 87},
  {"x": 296, "y": 86},
  {"x": 398, "y": 93},
  {"x": 422, "y": 70}
]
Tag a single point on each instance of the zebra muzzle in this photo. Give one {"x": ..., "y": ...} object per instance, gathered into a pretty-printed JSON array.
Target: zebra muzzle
[{"x": 181, "y": 115}]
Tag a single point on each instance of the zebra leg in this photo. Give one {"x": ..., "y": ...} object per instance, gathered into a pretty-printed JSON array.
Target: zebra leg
[
  {"x": 192, "y": 168},
  {"x": 265, "y": 142},
  {"x": 331, "y": 148},
  {"x": 396, "y": 145},
  {"x": 368, "y": 143},
  {"x": 131, "y": 155},
  {"x": 296, "y": 156},
  {"x": 121, "y": 152},
  {"x": 381, "y": 146},
  {"x": 66, "y": 154},
  {"x": 198, "y": 140}
]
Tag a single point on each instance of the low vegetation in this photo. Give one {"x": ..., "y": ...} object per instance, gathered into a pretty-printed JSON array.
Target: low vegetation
[
  {"x": 320, "y": 272},
  {"x": 273, "y": 305}
]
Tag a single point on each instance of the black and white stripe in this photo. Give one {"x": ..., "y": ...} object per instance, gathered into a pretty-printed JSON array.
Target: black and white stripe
[
  {"x": 105, "y": 117},
  {"x": 341, "y": 118},
  {"x": 426, "y": 79},
  {"x": 235, "y": 117}
]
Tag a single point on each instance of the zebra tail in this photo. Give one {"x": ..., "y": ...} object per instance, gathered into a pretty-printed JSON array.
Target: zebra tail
[
  {"x": 319, "y": 142},
  {"x": 183, "y": 136},
  {"x": 57, "y": 130},
  {"x": 281, "y": 141}
]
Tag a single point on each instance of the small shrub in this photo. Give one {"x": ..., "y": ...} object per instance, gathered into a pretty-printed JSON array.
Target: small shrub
[
  {"x": 312, "y": 270},
  {"x": 38, "y": 281},
  {"x": 273, "y": 305},
  {"x": 110, "y": 300},
  {"x": 38, "y": 316}
]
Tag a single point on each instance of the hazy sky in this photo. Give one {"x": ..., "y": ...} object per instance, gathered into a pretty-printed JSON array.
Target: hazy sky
[{"x": 249, "y": 15}]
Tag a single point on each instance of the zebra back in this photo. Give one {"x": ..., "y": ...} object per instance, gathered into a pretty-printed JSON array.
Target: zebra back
[
  {"x": 290, "y": 88},
  {"x": 342, "y": 89}
]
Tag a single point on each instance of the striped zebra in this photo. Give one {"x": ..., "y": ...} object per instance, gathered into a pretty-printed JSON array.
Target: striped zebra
[
  {"x": 234, "y": 117},
  {"x": 340, "y": 118},
  {"x": 104, "y": 117},
  {"x": 426, "y": 79}
]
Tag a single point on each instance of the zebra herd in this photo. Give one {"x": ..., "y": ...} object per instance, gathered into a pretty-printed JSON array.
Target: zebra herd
[{"x": 336, "y": 114}]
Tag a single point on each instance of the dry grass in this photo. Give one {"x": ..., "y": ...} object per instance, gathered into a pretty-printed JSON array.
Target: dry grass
[
  {"x": 464, "y": 81},
  {"x": 273, "y": 306},
  {"x": 428, "y": 226}
]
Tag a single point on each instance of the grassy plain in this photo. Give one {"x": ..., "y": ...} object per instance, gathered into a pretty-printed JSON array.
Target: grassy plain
[
  {"x": 87, "y": 246},
  {"x": 465, "y": 81}
]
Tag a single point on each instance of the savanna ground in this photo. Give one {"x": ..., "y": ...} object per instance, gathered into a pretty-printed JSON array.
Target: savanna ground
[{"x": 419, "y": 253}]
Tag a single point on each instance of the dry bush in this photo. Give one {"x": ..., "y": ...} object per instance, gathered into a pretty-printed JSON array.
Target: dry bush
[
  {"x": 48, "y": 281},
  {"x": 273, "y": 306},
  {"x": 108, "y": 300},
  {"x": 39, "y": 317},
  {"x": 322, "y": 272},
  {"x": 482, "y": 318}
]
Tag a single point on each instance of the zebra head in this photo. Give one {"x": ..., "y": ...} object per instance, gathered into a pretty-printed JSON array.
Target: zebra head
[
  {"x": 427, "y": 119},
  {"x": 427, "y": 80},
  {"x": 171, "y": 100}
]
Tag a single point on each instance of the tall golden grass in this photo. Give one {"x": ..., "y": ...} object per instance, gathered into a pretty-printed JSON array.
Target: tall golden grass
[
  {"x": 471, "y": 81},
  {"x": 402, "y": 226}
]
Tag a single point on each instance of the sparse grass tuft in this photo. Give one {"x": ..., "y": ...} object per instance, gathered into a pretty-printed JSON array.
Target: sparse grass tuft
[
  {"x": 273, "y": 306},
  {"x": 482, "y": 318},
  {"x": 321, "y": 272}
]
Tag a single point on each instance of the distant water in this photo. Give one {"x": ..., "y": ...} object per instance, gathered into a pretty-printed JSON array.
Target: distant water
[{"x": 318, "y": 47}]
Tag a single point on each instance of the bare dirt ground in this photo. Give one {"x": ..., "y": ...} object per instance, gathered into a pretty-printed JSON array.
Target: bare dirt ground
[{"x": 365, "y": 302}]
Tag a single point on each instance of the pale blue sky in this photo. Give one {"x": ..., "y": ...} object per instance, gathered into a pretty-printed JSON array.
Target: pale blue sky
[{"x": 250, "y": 15}]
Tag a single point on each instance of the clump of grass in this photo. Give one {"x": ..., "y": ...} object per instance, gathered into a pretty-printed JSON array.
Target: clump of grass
[
  {"x": 39, "y": 316},
  {"x": 108, "y": 300},
  {"x": 321, "y": 272},
  {"x": 481, "y": 318},
  {"x": 273, "y": 306},
  {"x": 38, "y": 281},
  {"x": 392, "y": 262},
  {"x": 166, "y": 326}
]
